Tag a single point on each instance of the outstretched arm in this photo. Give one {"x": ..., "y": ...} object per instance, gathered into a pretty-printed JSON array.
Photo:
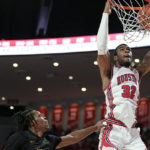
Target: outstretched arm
[
  {"x": 144, "y": 66},
  {"x": 79, "y": 135},
  {"x": 103, "y": 54}
]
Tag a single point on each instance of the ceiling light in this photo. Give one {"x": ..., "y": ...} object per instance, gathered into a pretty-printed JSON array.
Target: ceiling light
[
  {"x": 136, "y": 60},
  {"x": 132, "y": 64},
  {"x": 11, "y": 107},
  {"x": 3, "y": 98},
  {"x": 83, "y": 89},
  {"x": 95, "y": 63},
  {"x": 15, "y": 65},
  {"x": 70, "y": 77},
  {"x": 40, "y": 89},
  {"x": 28, "y": 78},
  {"x": 55, "y": 64}
]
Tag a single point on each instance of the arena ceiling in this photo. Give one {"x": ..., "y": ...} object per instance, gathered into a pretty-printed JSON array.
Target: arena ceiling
[{"x": 61, "y": 18}]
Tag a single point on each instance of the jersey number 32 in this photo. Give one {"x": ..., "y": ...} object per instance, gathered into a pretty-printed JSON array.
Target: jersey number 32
[{"x": 128, "y": 91}]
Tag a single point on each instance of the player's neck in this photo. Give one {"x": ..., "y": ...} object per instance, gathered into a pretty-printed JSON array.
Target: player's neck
[
  {"x": 119, "y": 66},
  {"x": 37, "y": 132}
]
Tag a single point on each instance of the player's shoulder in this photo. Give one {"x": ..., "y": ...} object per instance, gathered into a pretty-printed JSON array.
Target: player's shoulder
[
  {"x": 15, "y": 140},
  {"x": 135, "y": 70},
  {"x": 51, "y": 136},
  {"x": 16, "y": 135}
]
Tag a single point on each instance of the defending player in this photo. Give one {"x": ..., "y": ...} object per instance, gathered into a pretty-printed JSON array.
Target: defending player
[
  {"x": 32, "y": 133},
  {"x": 120, "y": 83}
]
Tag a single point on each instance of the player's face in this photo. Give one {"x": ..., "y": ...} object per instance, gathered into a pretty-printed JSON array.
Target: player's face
[
  {"x": 124, "y": 55},
  {"x": 41, "y": 122}
]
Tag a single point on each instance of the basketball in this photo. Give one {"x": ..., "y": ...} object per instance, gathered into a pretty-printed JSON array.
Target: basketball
[
  {"x": 147, "y": 1},
  {"x": 144, "y": 17}
]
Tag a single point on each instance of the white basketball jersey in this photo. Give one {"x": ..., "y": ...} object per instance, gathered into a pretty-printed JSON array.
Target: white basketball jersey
[{"x": 122, "y": 95}]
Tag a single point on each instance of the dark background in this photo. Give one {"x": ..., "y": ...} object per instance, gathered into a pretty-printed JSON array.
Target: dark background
[{"x": 20, "y": 18}]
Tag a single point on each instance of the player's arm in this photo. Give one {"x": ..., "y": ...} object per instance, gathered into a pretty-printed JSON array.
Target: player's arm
[
  {"x": 103, "y": 54},
  {"x": 144, "y": 66},
  {"x": 77, "y": 136}
]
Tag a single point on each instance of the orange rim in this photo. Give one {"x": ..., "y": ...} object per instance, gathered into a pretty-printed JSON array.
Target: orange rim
[
  {"x": 127, "y": 7},
  {"x": 124, "y": 7}
]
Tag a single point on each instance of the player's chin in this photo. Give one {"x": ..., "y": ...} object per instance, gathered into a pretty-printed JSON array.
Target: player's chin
[
  {"x": 127, "y": 59},
  {"x": 46, "y": 125},
  {"x": 46, "y": 128}
]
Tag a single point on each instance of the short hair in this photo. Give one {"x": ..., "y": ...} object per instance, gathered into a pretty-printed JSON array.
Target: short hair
[
  {"x": 24, "y": 118},
  {"x": 115, "y": 52}
]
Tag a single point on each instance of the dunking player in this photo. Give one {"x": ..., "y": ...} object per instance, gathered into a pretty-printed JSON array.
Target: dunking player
[{"x": 121, "y": 87}]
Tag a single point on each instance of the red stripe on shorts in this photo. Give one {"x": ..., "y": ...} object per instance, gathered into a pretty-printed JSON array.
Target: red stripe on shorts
[{"x": 105, "y": 139}]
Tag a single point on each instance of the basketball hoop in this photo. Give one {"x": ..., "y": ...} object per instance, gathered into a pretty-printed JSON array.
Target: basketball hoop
[{"x": 135, "y": 18}]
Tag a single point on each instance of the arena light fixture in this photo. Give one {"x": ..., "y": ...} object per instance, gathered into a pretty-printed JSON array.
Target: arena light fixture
[
  {"x": 70, "y": 77},
  {"x": 15, "y": 65},
  {"x": 132, "y": 64},
  {"x": 136, "y": 60},
  {"x": 95, "y": 63},
  {"x": 39, "y": 89},
  {"x": 3, "y": 98},
  {"x": 28, "y": 78},
  {"x": 11, "y": 107},
  {"x": 83, "y": 89},
  {"x": 55, "y": 64}
]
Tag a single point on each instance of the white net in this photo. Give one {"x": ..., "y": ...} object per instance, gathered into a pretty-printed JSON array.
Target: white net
[{"x": 128, "y": 13}]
